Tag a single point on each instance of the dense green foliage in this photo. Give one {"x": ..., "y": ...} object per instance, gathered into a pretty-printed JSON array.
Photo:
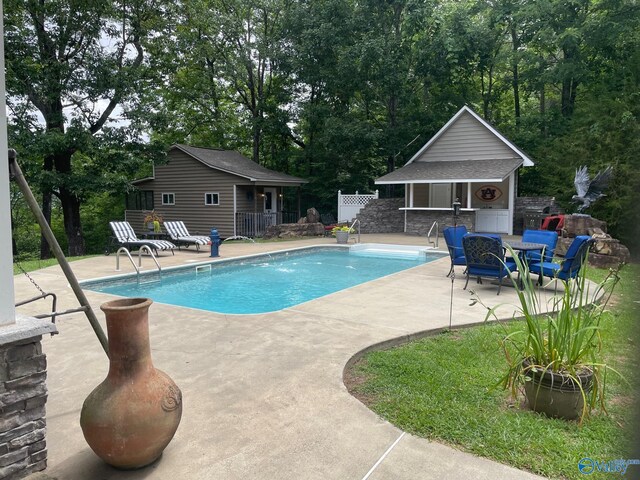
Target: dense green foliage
[
  {"x": 446, "y": 388},
  {"x": 336, "y": 91}
]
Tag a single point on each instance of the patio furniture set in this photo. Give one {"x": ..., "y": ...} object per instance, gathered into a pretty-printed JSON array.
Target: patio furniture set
[
  {"x": 176, "y": 235},
  {"x": 484, "y": 255}
]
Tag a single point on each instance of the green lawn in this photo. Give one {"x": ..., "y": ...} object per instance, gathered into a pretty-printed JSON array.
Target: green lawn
[
  {"x": 442, "y": 388},
  {"x": 31, "y": 265}
]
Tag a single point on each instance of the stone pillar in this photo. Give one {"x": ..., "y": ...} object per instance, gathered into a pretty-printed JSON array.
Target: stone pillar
[{"x": 23, "y": 394}]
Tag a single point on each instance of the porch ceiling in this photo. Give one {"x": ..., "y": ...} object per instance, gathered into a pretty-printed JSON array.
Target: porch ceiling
[{"x": 459, "y": 171}]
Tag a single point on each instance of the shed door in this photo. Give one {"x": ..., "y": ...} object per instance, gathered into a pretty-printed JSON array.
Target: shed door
[{"x": 270, "y": 200}]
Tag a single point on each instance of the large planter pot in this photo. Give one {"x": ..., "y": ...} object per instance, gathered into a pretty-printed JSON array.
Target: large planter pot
[
  {"x": 557, "y": 395},
  {"x": 342, "y": 237},
  {"x": 131, "y": 417}
]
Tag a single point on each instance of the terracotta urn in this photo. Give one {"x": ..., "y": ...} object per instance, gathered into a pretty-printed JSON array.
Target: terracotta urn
[{"x": 131, "y": 417}]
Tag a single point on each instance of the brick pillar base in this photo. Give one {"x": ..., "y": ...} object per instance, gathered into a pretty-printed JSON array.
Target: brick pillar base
[{"x": 23, "y": 395}]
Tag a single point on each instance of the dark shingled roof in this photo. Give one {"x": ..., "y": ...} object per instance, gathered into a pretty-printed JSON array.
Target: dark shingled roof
[
  {"x": 453, "y": 171},
  {"x": 237, "y": 164}
]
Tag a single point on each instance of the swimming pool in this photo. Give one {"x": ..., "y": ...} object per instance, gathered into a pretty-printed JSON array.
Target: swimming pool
[{"x": 261, "y": 284}]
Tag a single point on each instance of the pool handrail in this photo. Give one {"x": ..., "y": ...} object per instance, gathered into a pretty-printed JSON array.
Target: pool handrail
[
  {"x": 126, "y": 251},
  {"x": 434, "y": 224},
  {"x": 148, "y": 250},
  {"x": 353, "y": 224}
]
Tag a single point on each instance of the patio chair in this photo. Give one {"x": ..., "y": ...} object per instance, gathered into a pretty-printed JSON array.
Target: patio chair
[
  {"x": 329, "y": 222},
  {"x": 180, "y": 235},
  {"x": 569, "y": 266},
  {"x": 485, "y": 258},
  {"x": 453, "y": 238},
  {"x": 548, "y": 238},
  {"x": 126, "y": 237}
]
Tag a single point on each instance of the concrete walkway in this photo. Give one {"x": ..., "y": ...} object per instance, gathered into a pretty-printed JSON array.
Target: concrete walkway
[{"x": 263, "y": 394}]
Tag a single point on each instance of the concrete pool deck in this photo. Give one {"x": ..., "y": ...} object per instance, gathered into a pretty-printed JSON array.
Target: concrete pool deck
[{"x": 263, "y": 395}]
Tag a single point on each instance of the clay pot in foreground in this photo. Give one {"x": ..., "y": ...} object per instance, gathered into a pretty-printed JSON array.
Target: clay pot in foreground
[{"x": 131, "y": 417}]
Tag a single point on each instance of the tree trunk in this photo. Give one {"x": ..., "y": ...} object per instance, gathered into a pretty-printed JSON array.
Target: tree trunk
[
  {"x": 256, "y": 139},
  {"x": 72, "y": 225},
  {"x": 569, "y": 84},
  {"x": 515, "y": 82},
  {"x": 70, "y": 208},
  {"x": 45, "y": 250}
]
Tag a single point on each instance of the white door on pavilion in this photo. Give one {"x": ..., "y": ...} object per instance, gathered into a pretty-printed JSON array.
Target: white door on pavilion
[{"x": 440, "y": 195}]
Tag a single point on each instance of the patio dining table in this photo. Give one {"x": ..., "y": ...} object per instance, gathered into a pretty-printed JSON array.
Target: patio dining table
[{"x": 522, "y": 248}]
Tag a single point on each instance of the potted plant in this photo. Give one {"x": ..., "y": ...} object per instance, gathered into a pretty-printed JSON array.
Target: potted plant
[
  {"x": 153, "y": 221},
  {"x": 341, "y": 233},
  {"x": 556, "y": 356}
]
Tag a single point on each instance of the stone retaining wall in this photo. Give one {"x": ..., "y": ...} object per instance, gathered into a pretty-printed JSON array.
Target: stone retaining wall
[
  {"x": 288, "y": 230},
  {"x": 420, "y": 221},
  {"x": 23, "y": 394},
  {"x": 382, "y": 215}
]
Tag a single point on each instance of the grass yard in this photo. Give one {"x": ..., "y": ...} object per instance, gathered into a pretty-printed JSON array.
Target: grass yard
[
  {"x": 443, "y": 388},
  {"x": 37, "y": 264}
]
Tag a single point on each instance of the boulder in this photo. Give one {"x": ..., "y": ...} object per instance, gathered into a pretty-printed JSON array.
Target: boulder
[
  {"x": 579, "y": 224},
  {"x": 605, "y": 252},
  {"x": 313, "y": 216}
]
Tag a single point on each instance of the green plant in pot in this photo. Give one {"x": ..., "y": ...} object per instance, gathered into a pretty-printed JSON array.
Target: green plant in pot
[
  {"x": 153, "y": 221},
  {"x": 341, "y": 233},
  {"x": 556, "y": 356}
]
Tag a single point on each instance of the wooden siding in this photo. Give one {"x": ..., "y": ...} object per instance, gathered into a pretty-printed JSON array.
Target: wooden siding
[
  {"x": 188, "y": 179},
  {"x": 466, "y": 139}
]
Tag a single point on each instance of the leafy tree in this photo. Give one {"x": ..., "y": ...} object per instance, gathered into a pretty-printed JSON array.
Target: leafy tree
[{"x": 72, "y": 67}]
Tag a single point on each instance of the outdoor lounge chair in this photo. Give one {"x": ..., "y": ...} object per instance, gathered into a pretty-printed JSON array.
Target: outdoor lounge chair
[
  {"x": 570, "y": 265},
  {"x": 550, "y": 239},
  {"x": 485, "y": 258},
  {"x": 126, "y": 237},
  {"x": 453, "y": 238},
  {"x": 180, "y": 235}
]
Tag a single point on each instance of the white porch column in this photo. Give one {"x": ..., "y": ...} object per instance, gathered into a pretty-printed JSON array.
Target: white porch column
[
  {"x": 512, "y": 199},
  {"x": 7, "y": 299},
  {"x": 411, "y": 195},
  {"x": 468, "y": 194}
]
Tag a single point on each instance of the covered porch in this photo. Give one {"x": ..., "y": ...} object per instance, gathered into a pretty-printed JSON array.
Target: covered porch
[{"x": 257, "y": 207}]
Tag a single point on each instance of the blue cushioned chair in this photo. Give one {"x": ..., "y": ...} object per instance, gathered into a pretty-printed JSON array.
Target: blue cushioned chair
[
  {"x": 550, "y": 239},
  {"x": 453, "y": 237},
  {"x": 485, "y": 258},
  {"x": 571, "y": 263}
]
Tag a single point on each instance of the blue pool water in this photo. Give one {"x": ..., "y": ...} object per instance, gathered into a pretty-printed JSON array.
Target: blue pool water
[{"x": 262, "y": 284}]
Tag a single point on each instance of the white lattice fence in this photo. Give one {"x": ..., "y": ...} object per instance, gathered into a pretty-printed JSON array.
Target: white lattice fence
[{"x": 350, "y": 205}]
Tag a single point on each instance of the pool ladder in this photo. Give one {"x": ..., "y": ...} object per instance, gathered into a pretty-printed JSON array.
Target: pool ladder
[
  {"x": 433, "y": 225},
  {"x": 139, "y": 266}
]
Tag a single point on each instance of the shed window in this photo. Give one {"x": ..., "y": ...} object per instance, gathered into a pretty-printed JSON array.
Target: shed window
[
  {"x": 168, "y": 199},
  {"x": 211, "y": 199},
  {"x": 140, "y": 200}
]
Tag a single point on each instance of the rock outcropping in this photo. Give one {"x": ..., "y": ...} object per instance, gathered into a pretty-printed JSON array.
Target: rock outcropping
[{"x": 607, "y": 252}]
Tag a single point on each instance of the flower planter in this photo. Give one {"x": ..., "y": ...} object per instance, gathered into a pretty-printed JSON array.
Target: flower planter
[
  {"x": 556, "y": 395},
  {"x": 342, "y": 237}
]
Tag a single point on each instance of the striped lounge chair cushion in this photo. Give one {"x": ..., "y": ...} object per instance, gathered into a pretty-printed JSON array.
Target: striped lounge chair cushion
[
  {"x": 178, "y": 231},
  {"x": 125, "y": 234}
]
